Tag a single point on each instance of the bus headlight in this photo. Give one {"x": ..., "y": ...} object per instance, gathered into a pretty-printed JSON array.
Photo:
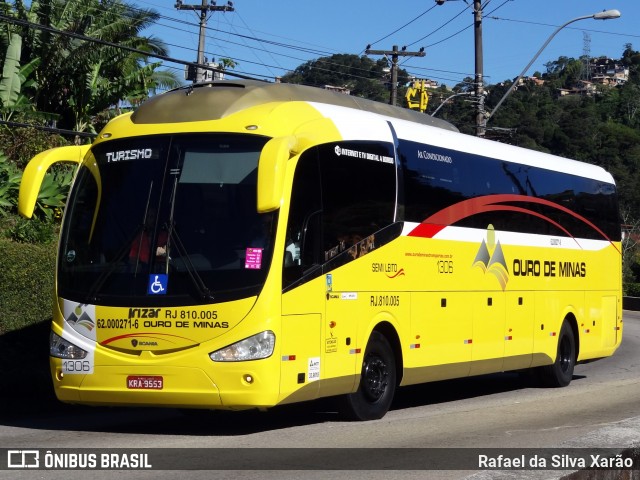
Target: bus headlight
[
  {"x": 61, "y": 348},
  {"x": 253, "y": 348}
]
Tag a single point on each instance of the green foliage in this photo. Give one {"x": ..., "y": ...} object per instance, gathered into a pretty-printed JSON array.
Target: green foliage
[
  {"x": 22, "y": 144},
  {"x": 9, "y": 185},
  {"x": 26, "y": 283},
  {"x": 10, "y": 83},
  {"x": 603, "y": 129},
  {"x": 33, "y": 230},
  {"x": 15, "y": 78},
  {"x": 51, "y": 198},
  {"x": 632, "y": 289},
  {"x": 79, "y": 79},
  {"x": 361, "y": 75},
  {"x": 53, "y": 192}
]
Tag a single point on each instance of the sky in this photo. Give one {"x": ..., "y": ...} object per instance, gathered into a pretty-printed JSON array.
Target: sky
[{"x": 270, "y": 38}]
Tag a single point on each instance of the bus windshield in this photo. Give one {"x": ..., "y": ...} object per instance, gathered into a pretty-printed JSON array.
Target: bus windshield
[{"x": 162, "y": 220}]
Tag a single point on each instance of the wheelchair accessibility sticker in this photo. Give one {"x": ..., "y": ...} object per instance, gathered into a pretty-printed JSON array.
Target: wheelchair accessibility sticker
[{"x": 157, "y": 284}]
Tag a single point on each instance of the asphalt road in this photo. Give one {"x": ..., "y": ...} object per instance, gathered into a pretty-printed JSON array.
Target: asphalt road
[{"x": 600, "y": 408}]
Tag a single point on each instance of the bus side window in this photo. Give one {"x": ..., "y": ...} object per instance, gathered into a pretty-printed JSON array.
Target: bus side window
[
  {"x": 303, "y": 242},
  {"x": 358, "y": 197}
]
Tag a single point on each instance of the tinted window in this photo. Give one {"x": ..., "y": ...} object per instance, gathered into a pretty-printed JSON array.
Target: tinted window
[
  {"x": 183, "y": 206},
  {"x": 343, "y": 196},
  {"x": 359, "y": 193},
  {"x": 559, "y": 204}
]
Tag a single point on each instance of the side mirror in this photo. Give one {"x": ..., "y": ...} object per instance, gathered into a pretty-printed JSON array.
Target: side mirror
[
  {"x": 37, "y": 167},
  {"x": 271, "y": 170}
]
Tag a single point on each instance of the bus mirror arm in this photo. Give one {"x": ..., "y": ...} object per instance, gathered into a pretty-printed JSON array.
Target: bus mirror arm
[
  {"x": 36, "y": 169},
  {"x": 271, "y": 170}
]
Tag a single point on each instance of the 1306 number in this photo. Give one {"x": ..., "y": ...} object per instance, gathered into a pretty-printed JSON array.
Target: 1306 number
[
  {"x": 76, "y": 366},
  {"x": 445, "y": 266}
]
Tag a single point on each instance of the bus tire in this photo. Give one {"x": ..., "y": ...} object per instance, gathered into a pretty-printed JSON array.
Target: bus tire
[
  {"x": 560, "y": 373},
  {"x": 377, "y": 382}
]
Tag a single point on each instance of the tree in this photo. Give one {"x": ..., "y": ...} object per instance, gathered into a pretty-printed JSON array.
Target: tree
[
  {"x": 363, "y": 76},
  {"x": 630, "y": 238},
  {"x": 555, "y": 67},
  {"x": 459, "y": 105},
  {"x": 630, "y": 57},
  {"x": 15, "y": 77},
  {"x": 77, "y": 79},
  {"x": 630, "y": 103}
]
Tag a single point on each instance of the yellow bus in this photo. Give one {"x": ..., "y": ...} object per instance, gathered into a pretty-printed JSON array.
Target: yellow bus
[{"x": 243, "y": 245}]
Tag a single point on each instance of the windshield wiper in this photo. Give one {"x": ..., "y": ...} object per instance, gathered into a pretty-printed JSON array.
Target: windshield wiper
[
  {"x": 172, "y": 234},
  {"x": 113, "y": 264},
  {"x": 196, "y": 279},
  {"x": 142, "y": 232},
  {"x": 123, "y": 252}
]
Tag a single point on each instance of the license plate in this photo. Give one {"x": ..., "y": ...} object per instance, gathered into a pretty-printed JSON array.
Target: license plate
[{"x": 145, "y": 382}]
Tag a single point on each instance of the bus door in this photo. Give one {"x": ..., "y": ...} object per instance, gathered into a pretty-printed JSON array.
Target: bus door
[
  {"x": 342, "y": 194},
  {"x": 358, "y": 186},
  {"x": 303, "y": 297},
  {"x": 314, "y": 315}
]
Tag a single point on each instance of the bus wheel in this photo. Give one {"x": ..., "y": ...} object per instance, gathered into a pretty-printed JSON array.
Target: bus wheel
[
  {"x": 377, "y": 382},
  {"x": 560, "y": 373}
]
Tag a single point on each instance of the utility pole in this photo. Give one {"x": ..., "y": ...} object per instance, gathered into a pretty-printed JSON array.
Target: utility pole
[
  {"x": 204, "y": 8},
  {"x": 395, "y": 53},
  {"x": 481, "y": 120}
]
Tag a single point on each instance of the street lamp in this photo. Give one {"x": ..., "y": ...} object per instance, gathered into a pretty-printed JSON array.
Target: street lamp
[
  {"x": 449, "y": 98},
  {"x": 605, "y": 15}
]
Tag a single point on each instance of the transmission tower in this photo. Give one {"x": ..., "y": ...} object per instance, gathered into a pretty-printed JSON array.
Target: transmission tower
[{"x": 586, "y": 56}]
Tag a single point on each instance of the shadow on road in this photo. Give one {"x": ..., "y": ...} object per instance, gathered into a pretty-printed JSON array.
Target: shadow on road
[
  {"x": 164, "y": 421},
  {"x": 28, "y": 400}
]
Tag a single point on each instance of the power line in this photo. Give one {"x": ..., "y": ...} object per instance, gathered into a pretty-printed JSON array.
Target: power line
[
  {"x": 171, "y": 22},
  {"x": 298, "y": 46},
  {"x": 253, "y": 50},
  {"x": 204, "y": 8},
  {"x": 238, "y": 59},
  {"x": 529, "y": 22},
  {"x": 143, "y": 53},
  {"x": 134, "y": 50},
  {"x": 468, "y": 26},
  {"x": 405, "y": 25},
  {"x": 321, "y": 49},
  {"x": 395, "y": 53},
  {"x": 255, "y": 38},
  {"x": 441, "y": 26}
]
